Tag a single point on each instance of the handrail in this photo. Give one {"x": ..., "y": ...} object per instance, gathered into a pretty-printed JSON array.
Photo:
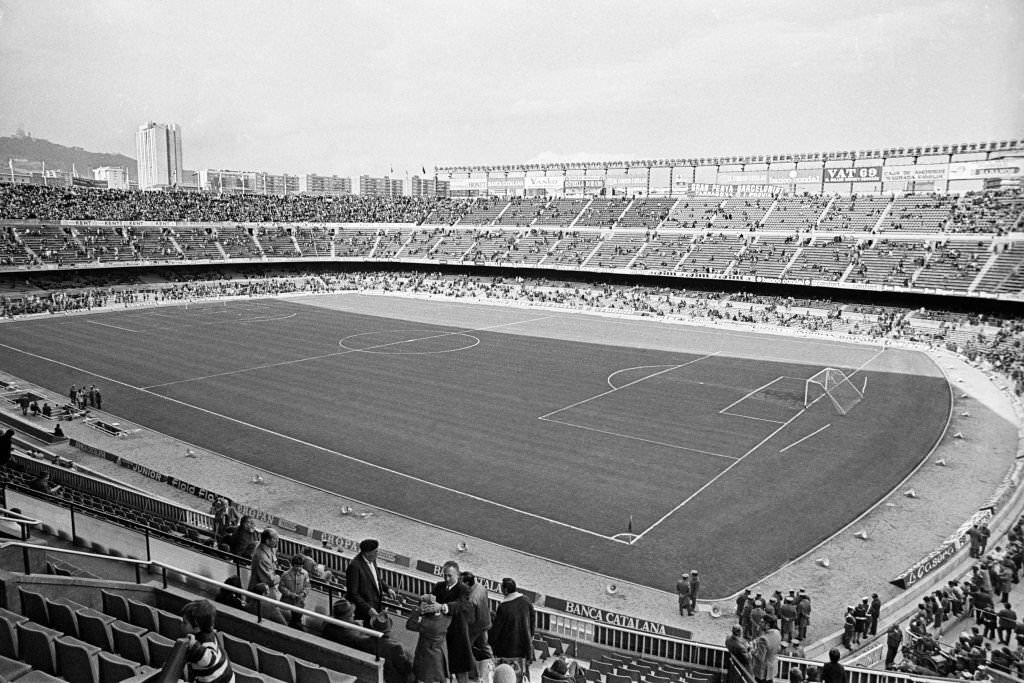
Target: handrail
[
  {"x": 195, "y": 577},
  {"x": 18, "y": 518}
]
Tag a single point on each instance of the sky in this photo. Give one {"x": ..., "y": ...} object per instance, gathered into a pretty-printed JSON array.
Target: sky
[{"x": 353, "y": 87}]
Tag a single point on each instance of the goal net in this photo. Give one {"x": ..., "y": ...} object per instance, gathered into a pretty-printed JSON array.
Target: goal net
[{"x": 834, "y": 385}]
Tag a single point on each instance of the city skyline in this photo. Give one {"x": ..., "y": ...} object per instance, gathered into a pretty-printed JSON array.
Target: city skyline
[{"x": 362, "y": 88}]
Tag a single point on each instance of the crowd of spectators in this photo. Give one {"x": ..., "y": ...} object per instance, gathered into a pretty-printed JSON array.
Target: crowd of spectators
[{"x": 995, "y": 211}]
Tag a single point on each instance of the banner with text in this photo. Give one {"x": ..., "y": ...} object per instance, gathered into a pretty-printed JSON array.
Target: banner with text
[
  {"x": 468, "y": 185},
  {"x": 616, "y": 619},
  {"x": 1011, "y": 167},
  {"x": 914, "y": 174},
  {"x": 861, "y": 174}
]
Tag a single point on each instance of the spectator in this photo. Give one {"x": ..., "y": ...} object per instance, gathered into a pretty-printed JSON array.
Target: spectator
[
  {"x": 6, "y": 447},
  {"x": 479, "y": 619},
  {"x": 893, "y": 640},
  {"x": 230, "y": 597},
  {"x": 398, "y": 665},
  {"x": 739, "y": 647},
  {"x": 430, "y": 661},
  {"x": 832, "y": 671},
  {"x": 683, "y": 593},
  {"x": 511, "y": 634},
  {"x": 294, "y": 586},
  {"x": 264, "y": 563},
  {"x": 764, "y": 654},
  {"x": 452, "y": 598},
  {"x": 204, "y": 659},
  {"x": 41, "y": 483},
  {"x": 342, "y": 610},
  {"x": 245, "y": 537},
  {"x": 364, "y": 587},
  {"x": 266, "y": 610}
]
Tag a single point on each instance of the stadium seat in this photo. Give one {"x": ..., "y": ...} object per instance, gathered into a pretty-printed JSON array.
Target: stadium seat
[
  {"x": 36, "y": 676},
  {"x": 306, "y": 672},
  {"x": 114, "y": 668},
  {"x": 143, "y": 615},
  {"x": 601, "y": 667},
  {"x": 9, "y": 632},
  {"x": 62, "y": 615},
  {"x": 33, "y": 606},
  {"x": 239, "y": 651},
  {"x": 36, "y": 646},
  {"x": 128, "y": 641},
  {"x": 159, "y": 649},
  {"x": 276, "y": 664},
  {"x": 94, "y": 628},
  {"x": 617, "y": 678},
  {"x": 593, "y": 675},
  {"x": 12, "y": 668},
  {"x": 246, "y": 675},
  {"x": 116, "y": 605},
  {"x": 633, "y": 674},
  {"x": 168, "y": 624},
  {"x": 76, "y": 660}
]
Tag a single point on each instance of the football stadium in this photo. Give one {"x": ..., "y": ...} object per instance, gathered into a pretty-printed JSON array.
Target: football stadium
[{"x": 699, "y": 419}]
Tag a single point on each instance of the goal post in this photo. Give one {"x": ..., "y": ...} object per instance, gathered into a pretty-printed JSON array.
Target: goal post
[{"x": 833, "y": 384}]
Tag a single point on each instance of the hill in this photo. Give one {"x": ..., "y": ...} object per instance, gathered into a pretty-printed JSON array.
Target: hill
[{"x": 59, "y": 156}]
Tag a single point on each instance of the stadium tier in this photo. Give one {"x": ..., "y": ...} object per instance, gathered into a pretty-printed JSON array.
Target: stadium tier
[{"x": 945, "y": 244}]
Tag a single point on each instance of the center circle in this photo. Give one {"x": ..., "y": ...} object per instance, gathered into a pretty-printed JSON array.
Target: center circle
[{"x": 408, "y": 342}]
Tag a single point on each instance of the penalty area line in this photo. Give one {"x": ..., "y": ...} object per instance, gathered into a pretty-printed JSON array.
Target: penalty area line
[{"x": 800, "y": 441}]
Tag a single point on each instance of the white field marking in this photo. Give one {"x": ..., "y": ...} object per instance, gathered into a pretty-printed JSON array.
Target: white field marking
[
  {"x": 628, "y": 384},
  {"x": 338, "y": 353},
  {"x": 750, "y": 417},
  {"x": 124, "y": 329},
  {"x": 267, "y": 319},
  {"x": 476, "y": 342},
  {"x": 749, "y": 394},
  {"x": 795, "y": 443},
  {"x": 637, "y": 438},
  {"x": 744, "y": 456},
  {"x": 638, "y": 367},
  {"x": 308, "y": 444},
  {"x": 715, "y": 478}
]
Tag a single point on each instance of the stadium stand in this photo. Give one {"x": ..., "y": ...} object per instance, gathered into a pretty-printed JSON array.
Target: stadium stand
[
  {"x": 822, "y": 258},
  {"x": 572, "y": 248},
  {"x": 742, "y": 214},
  {"x": 559, "y": 212},
  {"x": 695, "y": 213},
  {"x": 619, "y": 250},
  {"x": 648, "y": 213},
  {"x": 712, "y": 254},
  {"x": 854, "y": 214},
  {"x": 664, "y": 251},
  {"x": 766, "y": 256},
  {"x": 795, "y": 213},
  {"x": 602, "y": 212}
]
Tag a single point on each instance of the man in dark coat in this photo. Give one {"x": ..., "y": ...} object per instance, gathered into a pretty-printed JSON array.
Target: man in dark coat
[
  {"x": 893, "y": 640},
  {"x": 453, "y": 599},
  {"x": 512, "y": 629},
  {"x": 363, "y": 586},
  {"x": 739, "y": 647}
]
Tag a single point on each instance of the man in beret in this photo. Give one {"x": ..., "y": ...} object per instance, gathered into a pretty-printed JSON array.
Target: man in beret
[{"x": 364, "y": 587}]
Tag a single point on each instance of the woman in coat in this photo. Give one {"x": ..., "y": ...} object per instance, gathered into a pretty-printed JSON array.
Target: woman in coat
[{"x": 430, "y": 661}]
